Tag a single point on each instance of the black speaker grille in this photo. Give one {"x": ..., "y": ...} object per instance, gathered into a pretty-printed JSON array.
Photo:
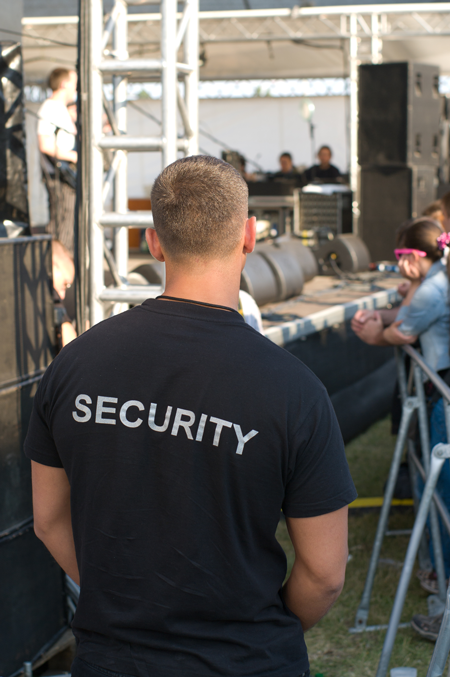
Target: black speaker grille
[{"x": 383, "y": 109}]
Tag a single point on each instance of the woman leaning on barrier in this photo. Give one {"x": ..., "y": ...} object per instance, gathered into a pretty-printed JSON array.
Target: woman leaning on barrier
[{"x": 424, "y": 314}]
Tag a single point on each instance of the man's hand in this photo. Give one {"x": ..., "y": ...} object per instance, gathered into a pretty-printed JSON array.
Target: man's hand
[
  {"x": 394, "y": 336},
  {"x": 371, "y": 330},
  {"x": 360, "y": 318},
  {"x": 52, "y": 519},
  {"x": 318, "y": 574}
]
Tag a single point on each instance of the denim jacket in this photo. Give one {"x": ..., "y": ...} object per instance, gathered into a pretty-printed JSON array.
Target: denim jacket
[{"x": 428, "y": 317}]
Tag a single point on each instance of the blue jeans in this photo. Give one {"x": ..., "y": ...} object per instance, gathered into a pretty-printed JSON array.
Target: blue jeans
[{"x": 438, "y": 433}]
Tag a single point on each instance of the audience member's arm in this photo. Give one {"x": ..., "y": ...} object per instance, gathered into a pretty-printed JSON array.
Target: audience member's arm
[
  {"x": 388, "y": 315},
  {"x": 318, "y": 574},
  {"x": 52, "y": 518},
  {"x": 395, "y": 337},
  {"x": 68, "y": 333}
]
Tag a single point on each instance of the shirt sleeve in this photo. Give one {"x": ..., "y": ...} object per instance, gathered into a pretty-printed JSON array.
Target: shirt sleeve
[
  {"x": 425, "y": 308},
  {"x": 39, "y": 444},
  {"x": 319, "y": 480}
]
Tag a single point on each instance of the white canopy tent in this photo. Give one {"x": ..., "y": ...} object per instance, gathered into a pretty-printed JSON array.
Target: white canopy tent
[{"x": 269, "y": 43}]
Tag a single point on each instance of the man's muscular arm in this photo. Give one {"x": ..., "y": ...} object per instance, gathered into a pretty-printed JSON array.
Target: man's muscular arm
[
  {"x": 318, "y": 574},
  {"x": 52, "y": 519},
  {"x": 48, "y": 146}
]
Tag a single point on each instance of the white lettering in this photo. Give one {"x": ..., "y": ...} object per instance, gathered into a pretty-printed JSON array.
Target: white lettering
[
  {"x": 178, "y": 422},
  {"x": 201, "y": 428},
  {"x": 151, "y": 419},
  {"x": 241, "y": 439},
  {"x": 81, "y": 407},
  {"x": 105, "y": 410},
  {"x": 220, "y": 423},
  {"x": 123, "y": 413}
]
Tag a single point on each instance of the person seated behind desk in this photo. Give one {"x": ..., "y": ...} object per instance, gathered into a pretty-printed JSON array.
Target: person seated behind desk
[
  {"x": 324, "y": 171},
  {"x": 287, "y": 169}
]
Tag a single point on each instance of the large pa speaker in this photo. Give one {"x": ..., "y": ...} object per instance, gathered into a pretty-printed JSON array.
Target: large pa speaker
[
  {"x": 399, "y": 110},
  {"x": 32, "y": 603},
  {"x": 13, "y": 165},
  {"x": 389, "y": 196}
]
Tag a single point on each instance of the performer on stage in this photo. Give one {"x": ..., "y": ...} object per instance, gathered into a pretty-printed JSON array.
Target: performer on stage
[
  {"x": 324, "y": 171},
  {"x": 57, "y": 142}
]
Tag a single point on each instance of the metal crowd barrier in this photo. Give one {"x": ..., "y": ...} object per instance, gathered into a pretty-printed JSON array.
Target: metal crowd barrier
[{"x": 411, "y": 387}]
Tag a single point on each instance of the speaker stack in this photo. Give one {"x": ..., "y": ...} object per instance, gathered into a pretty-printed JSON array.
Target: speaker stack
[{"x": 398, "y": 148}]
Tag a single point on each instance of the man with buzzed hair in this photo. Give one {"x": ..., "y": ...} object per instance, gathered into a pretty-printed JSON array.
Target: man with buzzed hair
[{"x": 166, "y": 441}]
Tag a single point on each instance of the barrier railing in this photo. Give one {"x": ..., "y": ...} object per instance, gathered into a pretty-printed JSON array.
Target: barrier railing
[{"x": 414, "y": 405}]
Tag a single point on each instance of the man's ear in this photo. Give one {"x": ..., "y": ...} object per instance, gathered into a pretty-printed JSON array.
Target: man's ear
[
  {"x": 250, "y": 235},
  {"x": 154, "y": 244}
]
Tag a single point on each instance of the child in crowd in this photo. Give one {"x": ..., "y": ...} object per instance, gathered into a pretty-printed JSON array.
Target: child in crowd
[{"x": 423, "y": 314}]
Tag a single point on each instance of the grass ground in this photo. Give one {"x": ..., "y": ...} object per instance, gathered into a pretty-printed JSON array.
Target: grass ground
[{"x": 333, "y": 651}]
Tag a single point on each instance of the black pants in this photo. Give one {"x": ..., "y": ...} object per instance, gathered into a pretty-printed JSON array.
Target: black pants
[{"x": 82, "y": 669}]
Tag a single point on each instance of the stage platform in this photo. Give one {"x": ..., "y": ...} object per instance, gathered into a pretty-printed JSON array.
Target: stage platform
[{"x": 315, "y": 327}]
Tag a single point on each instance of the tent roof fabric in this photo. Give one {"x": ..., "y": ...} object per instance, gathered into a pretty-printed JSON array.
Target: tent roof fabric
[{"x": 272, "y": 42}]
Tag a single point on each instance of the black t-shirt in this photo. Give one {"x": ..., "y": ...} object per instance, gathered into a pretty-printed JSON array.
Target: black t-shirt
[
  {"x": 316, "y": 172},
  {"x": 183, "y": 433}
]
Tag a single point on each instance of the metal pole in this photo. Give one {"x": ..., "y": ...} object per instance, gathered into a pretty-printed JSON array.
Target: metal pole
[
  {"x": 440, "y": 453},
  {"x": 442, "y": 648},
  {"x": 191, "y": 79},
  {"x": 169, "y": 81},
  {"x": 96, "y": 170},
  {"x": 401, "y": 374},
  {"x": 377, "y": 43},
  {"x": 354, "y": 168},
  {"x": 120, "y": 48},
  {"x": 362, "y": 613},
  {"x": 425, "y": 444}
]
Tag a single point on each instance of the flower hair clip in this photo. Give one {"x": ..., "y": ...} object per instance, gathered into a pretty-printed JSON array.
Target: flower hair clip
[{"x": 443, "y": 241}]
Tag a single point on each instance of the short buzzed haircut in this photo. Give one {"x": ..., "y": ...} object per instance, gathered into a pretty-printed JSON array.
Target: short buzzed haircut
[
  {"x": 199, "y": 206},
  {"x": 288, "y": 155},
  {"x": 57, "y": 77}
]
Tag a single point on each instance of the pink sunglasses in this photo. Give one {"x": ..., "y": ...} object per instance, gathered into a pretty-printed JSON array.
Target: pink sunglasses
[{"x": 404, "y": 252}]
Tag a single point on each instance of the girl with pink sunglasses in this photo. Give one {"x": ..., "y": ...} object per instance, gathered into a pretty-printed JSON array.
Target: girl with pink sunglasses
[{"x": 424, "y": 314}]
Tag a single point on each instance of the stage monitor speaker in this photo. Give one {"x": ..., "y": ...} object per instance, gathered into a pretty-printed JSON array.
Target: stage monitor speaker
[
  {"x": 32, "y": 609},
  {"x": 399, "y": 111},
  {"x": 13, "y": 164},
  {"x": 391, "y": 195}
]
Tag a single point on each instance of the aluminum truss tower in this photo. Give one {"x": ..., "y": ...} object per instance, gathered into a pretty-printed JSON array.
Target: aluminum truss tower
[{"x": 108, "y": 56}]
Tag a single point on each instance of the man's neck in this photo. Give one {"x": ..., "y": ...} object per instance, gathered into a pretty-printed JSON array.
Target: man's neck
[
  {"x": 214, "y": 285},
  {"x": 59, "y": 95}
]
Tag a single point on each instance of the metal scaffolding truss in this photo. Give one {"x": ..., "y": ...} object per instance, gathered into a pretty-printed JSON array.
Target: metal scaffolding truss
[
  {"x": 329, "y": 25},
  {"x": 109, "y": 58},
  {"x": 309, "y": 42},
  {"x": 320, "y": 23}
]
